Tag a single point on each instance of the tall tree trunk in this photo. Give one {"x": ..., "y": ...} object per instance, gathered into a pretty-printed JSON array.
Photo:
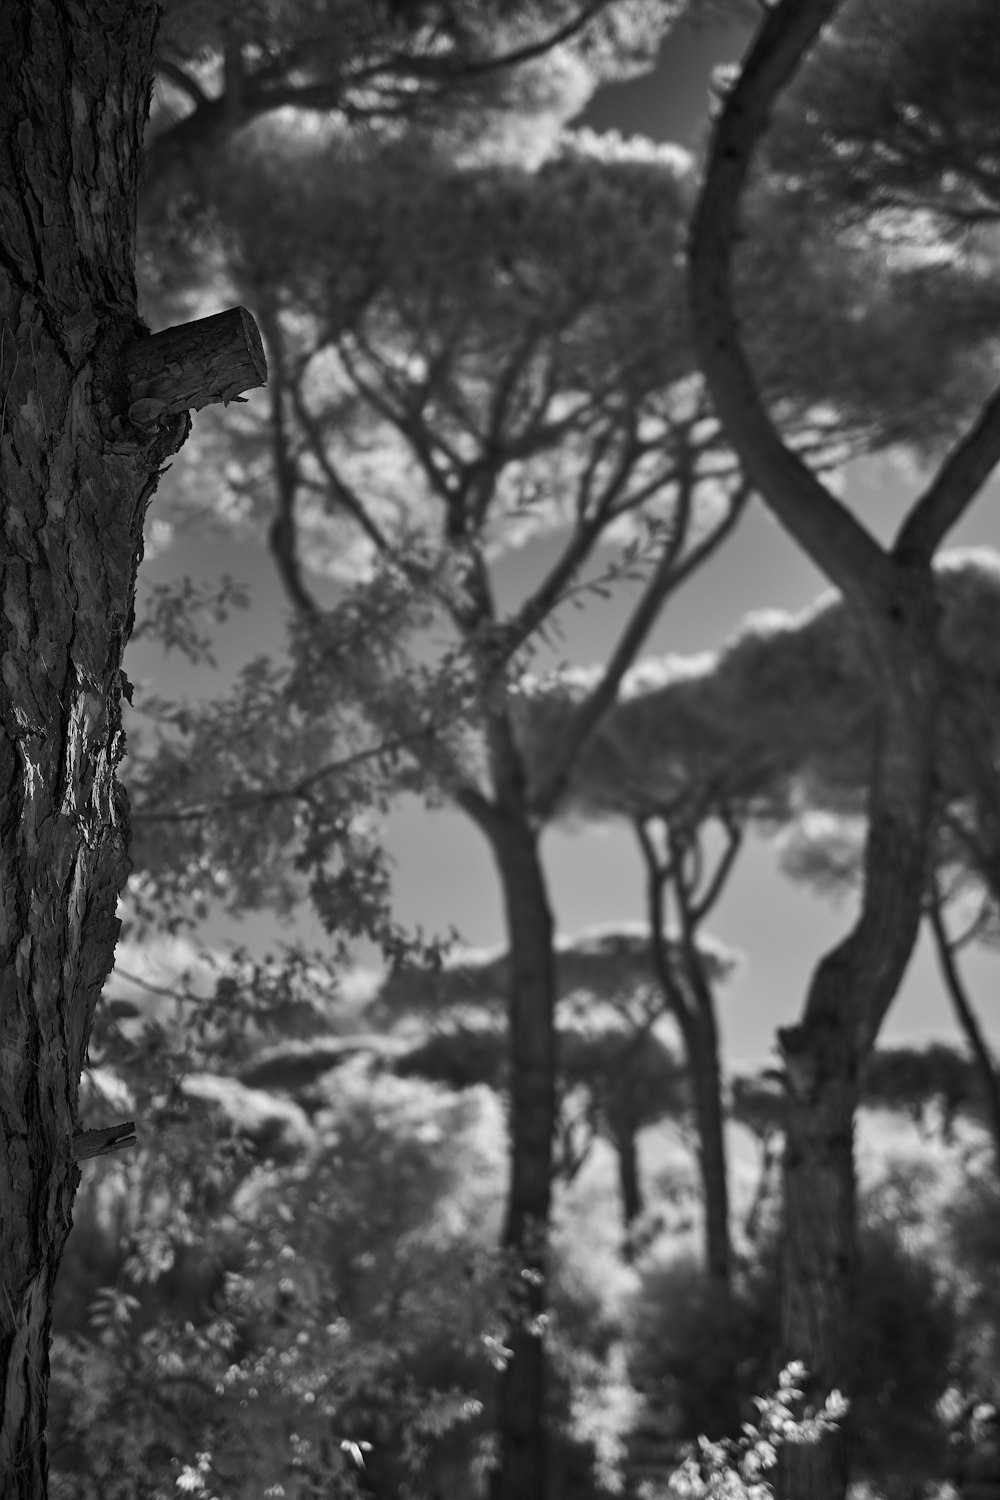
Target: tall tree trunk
[
  {"x": 891, "y": 595},
  {"x": 850, "y": 993},
  {"x": 693, "y": 1006},
  {"x": 818, "y": 1256},
  {"x": 523, "y": 1457},
  {"x": 767, "y": 1189},
  {"x": 74, "y": 484},
  {"x": 706, "y": 1077}
]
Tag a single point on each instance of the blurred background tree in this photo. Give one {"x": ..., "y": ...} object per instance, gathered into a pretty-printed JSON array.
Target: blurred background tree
[{"x": 477, "y": 327}]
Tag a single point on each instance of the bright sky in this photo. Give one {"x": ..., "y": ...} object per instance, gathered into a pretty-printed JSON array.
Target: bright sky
[{"x": 444, "y": 876}]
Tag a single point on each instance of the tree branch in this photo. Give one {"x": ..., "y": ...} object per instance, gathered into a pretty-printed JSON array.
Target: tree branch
[
  {"x": 668, "y": 575},
  {"x": 212, "y": 119},
  {"x": 734, "y": 836},
  {"x": 182, "y": 80},
  {"x": 684, "y": 882},
  {"x": 405, "y": 421},
  {"x": 539, "y": 605},
  {"x": 339, "y": 489},
  {"x": 106, "y": 1138},
  {"x": 656, "y": 879},
  {"x": 596, "y": 705},
  {"x": 838, "y": 544},
  {"x": 460, "y": 68},
  {"x": 479, "y": 808},
  {"x": 966, "y": 1016},
  {"x": 956, "y": 484},
  {"x": 282, "y": 534},
  {"x": 297, "y": 790},
  {"x": 166, "y": 991}
]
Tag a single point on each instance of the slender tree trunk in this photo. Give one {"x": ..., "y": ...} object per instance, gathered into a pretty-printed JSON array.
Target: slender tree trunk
[
  {"x": 967, "y": 1020},
  {"x": 74, "y": 484},
  {"x": 767, "y": 1189},
  {"x": 629, "y": 1186},
  {"x": 706, "y": 1076},
  {"x": 892, "y": 597},
  {"x": 523, "y": 1457},
  {"x": 693, "y": 1007},
  {"x": 850, "y": 993}
]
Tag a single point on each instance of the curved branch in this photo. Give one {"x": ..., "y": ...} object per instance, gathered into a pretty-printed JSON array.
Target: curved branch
[
  {"x": 339, "y": 488},
  {"x": 966, "y": 1017},
  {"x": 583, "y": 539},
  {"x": 212, "y": 119},
  {"x": 668, "y": 575},
  {"x": 533, "y": 50},
  {"x": 825, "y": 529},
  {"x": 406, "y": 422},
  {"x": 657, "y": 875},
  {"x": 956, "y": 484},
  {"x": 734, "y": 840},
  {"x": 282, "y": 534},
  {"x": 686, "y": 857},
  {"x": 182, "y": 80}
]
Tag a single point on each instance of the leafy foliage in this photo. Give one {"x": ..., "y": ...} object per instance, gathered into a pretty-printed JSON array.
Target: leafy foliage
[
  {"x": 908, "y": 1331},
  {"x": 333, "y": 1287},
  {"x": 738, "y": 1468},
  {"x": 465, "y": 352},
  {"x": 892, "y": 116},
  {"x": 268, "y": 792},
  {"x": 171, "y": 610},
  {"x": 783, "y": 716},
  {"x": 969, "y": 1249},
  {"x": 425, "y": 62},
  {"x": 604, "y": 968}
]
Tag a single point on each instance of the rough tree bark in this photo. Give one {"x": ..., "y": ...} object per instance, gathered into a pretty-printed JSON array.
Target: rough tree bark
[
  {"x": 891, "y": 596},
  {"x": 76, "y": 474}
]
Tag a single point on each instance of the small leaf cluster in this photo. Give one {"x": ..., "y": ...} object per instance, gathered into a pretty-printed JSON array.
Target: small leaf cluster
[{"x": 736, "y": 1469}]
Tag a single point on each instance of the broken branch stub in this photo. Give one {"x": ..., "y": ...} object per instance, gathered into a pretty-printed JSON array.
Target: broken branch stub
[
  {"x": 106, "y": 1138},
  {"x": 193, "y": 365}
]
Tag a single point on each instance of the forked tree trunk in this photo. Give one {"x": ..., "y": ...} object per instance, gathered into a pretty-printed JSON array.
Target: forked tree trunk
[
  {"x": 523, "y": 1472},
  {"x": 892, "y": 599}
]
